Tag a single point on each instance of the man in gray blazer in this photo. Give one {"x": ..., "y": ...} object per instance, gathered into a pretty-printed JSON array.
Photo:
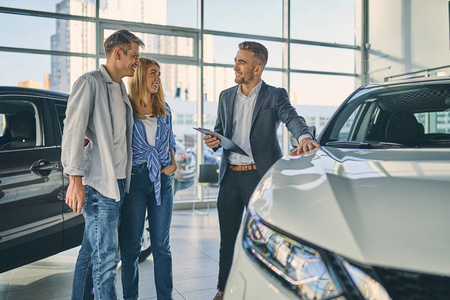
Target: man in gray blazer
[{"x": 249, "y": 114}]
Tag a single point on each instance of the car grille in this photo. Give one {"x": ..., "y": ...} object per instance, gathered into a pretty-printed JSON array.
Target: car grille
[{"x": 412, "y": 286}]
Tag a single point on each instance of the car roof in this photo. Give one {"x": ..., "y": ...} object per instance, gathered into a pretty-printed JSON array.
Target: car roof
[
  {"x": 442, "y": 79},
  {"x": 16, "y": 90}
]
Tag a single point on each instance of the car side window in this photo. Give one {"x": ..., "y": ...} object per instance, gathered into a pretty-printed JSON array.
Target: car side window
[
  {"x": 434, "y": 122},
  {"x": 61, "y": 113},
  {"x": 344, "y": 133},
  {"x": 357, "y": 125},
  {"x": 20, "y": 125}
]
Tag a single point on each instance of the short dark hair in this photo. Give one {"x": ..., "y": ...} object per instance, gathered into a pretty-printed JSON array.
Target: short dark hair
[
  {"x": 121, "y": 38},
  {"x": 260, "y": 52}
]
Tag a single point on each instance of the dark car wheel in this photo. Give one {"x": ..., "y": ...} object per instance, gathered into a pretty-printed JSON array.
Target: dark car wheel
[{"x": 146, "y": 248}]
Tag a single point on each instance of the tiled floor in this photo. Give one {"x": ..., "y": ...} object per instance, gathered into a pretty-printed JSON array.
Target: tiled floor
[{"x": 195, "y": 252}]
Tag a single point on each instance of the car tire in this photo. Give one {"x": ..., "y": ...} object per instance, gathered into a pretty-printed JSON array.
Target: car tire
[{"x": 146, "y": 248}]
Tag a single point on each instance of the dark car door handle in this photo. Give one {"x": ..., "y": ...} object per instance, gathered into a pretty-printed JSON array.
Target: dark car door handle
[{"x": 44, "y": 167}]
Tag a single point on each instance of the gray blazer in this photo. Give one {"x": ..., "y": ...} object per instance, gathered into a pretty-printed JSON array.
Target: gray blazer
[{"x": 272, "y": 107}]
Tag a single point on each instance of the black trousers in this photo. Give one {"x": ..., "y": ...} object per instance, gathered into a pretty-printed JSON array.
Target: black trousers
[{"x": 234, "y": 194}]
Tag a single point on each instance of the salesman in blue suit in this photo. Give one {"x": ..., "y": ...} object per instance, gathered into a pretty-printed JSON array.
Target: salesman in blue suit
[{"x": 249, "y": 114}]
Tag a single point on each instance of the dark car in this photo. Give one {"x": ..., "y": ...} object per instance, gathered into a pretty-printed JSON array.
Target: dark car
[{"x": 35, "y": 222}]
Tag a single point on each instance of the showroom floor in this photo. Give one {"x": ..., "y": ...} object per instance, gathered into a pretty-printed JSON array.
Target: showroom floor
[{"x": 195, "y": 252}]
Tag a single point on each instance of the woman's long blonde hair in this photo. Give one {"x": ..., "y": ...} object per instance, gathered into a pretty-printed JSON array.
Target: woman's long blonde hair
[{"x": 139, "y": 97}]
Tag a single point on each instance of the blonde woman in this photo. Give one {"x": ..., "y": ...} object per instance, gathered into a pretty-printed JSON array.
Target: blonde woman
[{"x": 151, "y": 185}]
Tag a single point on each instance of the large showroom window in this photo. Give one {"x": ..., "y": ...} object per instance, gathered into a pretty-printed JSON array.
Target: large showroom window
[
  {"x": 329, "y": 21},
  {"x": 263, "y": 17},
  {"x": 49, "y": 44},
  {"x": 181, "y": 13},
  {"x": 75, "y": 8}
]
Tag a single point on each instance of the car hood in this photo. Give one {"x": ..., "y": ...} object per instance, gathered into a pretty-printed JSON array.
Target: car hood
[{"x": 388, "y": 208}]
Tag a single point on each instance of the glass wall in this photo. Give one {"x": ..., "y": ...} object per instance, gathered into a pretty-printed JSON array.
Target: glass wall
[
  {"x": 182, "y": 13},
  {"x": 260, "y": 17},
  {"x": 51, "y": 34},
  {"x": 316, "y": 96},
  {"x": 222, "y": 50},
  {"x": 320, "y": 58},
  {"x": 49, "y": 44},
  {"x": 75, "y": 8},
  {"x": 330, "y": 21}
]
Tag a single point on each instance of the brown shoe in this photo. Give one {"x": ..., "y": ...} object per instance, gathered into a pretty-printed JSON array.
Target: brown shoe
[{"x": 219, "y": 295}]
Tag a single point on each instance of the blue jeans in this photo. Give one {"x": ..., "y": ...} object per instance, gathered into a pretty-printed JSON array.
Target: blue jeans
[
  {"x": 141, "y": 198},
  {"x": 95, "y": 270}
]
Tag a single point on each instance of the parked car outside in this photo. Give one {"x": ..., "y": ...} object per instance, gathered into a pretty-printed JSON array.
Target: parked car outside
[
  {"x": 35, "y": 222},
  {"x": 209, "y": 156},
  {"x": 185, "y": 174},
  {"x": 363, "y": 217}
]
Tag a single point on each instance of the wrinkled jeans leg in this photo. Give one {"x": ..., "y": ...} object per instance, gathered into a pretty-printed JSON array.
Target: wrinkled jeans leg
[
  {"x": 131, "y": 229},
  {"x": 82, "y": 279},
  {"x": 101, "y": 240},
  {"x": 105, "y": 244},
  {"x": 160, "y": 217}
]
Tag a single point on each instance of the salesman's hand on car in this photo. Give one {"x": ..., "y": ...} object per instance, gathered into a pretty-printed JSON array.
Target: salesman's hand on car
[
  {"x": 305, "y": 145},
  {"x": 211, "y": 141},
  {"x": 75, "y": 194}
]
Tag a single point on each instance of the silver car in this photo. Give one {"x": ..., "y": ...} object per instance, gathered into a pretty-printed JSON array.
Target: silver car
[{"x": 366, "y": 216}]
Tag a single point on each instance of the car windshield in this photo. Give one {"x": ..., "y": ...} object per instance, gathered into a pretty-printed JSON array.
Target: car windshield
[{"x": 412, "y": 116}]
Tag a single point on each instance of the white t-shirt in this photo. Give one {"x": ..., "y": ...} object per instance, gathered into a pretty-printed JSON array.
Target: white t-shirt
[
  {"x": 120, "y": 126},
  {"x": 150, "y": 129}
]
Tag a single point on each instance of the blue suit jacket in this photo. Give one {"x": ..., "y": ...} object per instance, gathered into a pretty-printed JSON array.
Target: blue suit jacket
[{"x": 272, "y": 107}]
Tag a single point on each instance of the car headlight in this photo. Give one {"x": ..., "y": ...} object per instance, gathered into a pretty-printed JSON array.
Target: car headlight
[
  {"x": 297, "y": 265},
  {"x": 369, "y": 288},
  {"x": 302, "y": 268}
]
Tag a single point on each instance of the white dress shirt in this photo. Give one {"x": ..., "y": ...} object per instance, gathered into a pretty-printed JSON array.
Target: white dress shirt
[{"x": 242, "y": 123}]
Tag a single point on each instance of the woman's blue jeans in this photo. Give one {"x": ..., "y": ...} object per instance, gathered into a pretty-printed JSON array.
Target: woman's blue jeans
[
  {"x": 95, "y": 270},
  {"x": 141, "y": 198}
]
